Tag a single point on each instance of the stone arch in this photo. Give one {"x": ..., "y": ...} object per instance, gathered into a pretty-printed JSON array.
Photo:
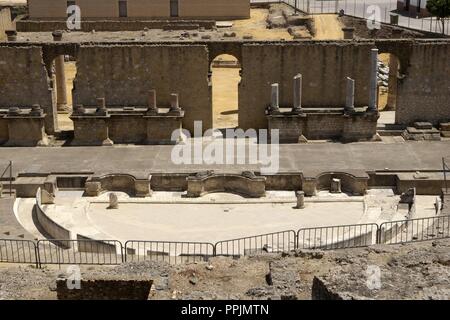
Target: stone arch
[{"x": 224, "y": 78}]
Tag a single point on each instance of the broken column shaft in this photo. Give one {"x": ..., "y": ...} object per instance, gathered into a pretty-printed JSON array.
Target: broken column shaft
[
  {"x": 350, "y": 96},
  {"x": 152, "y": 107},
  {"x": 373, "y": 80},
  {"x": 297, "y": 93},
  {"x": 61, "y": 89},
  {"x": 174, "y": 103},
  {"x": 274, "y": 104}
]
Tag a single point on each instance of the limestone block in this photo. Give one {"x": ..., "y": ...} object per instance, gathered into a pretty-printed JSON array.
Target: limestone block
[
  {"x": 91, "y": 131},
  {"x": 93, "y": 188},
  {"x": 161, "y": 127},
  {"x": 46, "y": 197},
  {"x": 309, "y": 187},
  {"x": 26, "y": 131},
  {"x": 143, "y": 188}
]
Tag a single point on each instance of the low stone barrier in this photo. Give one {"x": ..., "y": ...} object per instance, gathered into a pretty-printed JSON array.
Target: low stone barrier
[
  {"x": 246, "y": 184},
  {"x": 54, "y": 230},
  {"x": 139, "y": 187}
]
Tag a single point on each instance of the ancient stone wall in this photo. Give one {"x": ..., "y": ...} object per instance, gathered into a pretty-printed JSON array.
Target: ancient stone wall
[
  {"x": 324, "y": 67},
  {"x": 111, "y": 24},
  {"x": 424, "y": 92},
  {"x": 24, "y": 81},
  {"x": 123, "y": 75}
]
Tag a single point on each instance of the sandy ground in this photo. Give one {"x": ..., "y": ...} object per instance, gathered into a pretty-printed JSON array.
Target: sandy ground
[
  {"x": 328, "y": 27},
  {"x": 225, "y": 83},
  {"x": 256, "y": 27}
]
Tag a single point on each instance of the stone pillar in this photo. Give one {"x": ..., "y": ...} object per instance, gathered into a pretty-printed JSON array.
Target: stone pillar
[
  {"x": 335, "y": 186},
  {"x": 174, "y": 103},
  {"x": 113, "y": 201},
  {"x": 348, "y": 33},
  {"x": 297, "y": 94},
  {"x": 61, "y": 89},
  {"x": 373, "y": 81},
  {"x": 300, "y": 200},
  {"x": 350, "y": 96},
  {"x": 152, "y": 107},
  {"x": 274, "y": 104}
]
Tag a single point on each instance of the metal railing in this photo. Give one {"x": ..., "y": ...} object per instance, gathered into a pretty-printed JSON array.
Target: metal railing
[
  {"x": 168, "y": 251},
  {"x": 112, "y": 252},
  {"x": 96, "y": 252},
  {"x": 270, "y": 242},
  {"x": 18, "y": 251},
  {"x": 412, "y": 230},
  {"x": 338, "y": 237},
  {"x": 367, "y": 10},
  {"x": 445, "y": 169},
  {"x": 8, "y": 170}
]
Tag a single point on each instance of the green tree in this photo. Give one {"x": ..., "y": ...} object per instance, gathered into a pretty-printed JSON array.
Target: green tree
[{"x": 440, "y": 9}]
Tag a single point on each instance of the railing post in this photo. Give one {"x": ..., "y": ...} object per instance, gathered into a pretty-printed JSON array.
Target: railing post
[
  {"x": 378, "y": 240},
  {"x": 10, "y": 178}
]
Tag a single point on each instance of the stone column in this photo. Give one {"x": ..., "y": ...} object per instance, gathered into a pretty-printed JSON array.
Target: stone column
[
  {"x": 274, "y": 104},
  {"x": 152, "y": 107},
  {"x": 373, "y": 81},
  {"x": 350, "y": 96},
  {"x": 297, "y": 94},
  {"x": 174, "y": 103},
  {"x": 300, "y": 200},
  {"x": 61, "y": 89}
]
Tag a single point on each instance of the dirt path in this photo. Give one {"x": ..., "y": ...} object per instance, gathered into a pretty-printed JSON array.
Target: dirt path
[
  {"x": 256, "y": 27},
  {"x": 328, "y": 27}
]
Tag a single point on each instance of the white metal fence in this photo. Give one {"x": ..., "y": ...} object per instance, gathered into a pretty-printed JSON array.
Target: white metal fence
[{"x": 367, "y": 9}]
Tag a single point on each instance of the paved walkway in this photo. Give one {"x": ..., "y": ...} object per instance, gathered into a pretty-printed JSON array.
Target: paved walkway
[{"x": 310, "y": 158}]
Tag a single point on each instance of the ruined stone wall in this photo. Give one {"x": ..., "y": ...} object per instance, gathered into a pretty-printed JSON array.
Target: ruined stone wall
[
  {"x": 125, "y": 74},
  {"x": 324, "y": 66},
  {"x": 424, "y": 92},
  {"x": 24, "y": 81}
]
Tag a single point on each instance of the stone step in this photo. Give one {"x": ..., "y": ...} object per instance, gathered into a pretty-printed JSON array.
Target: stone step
[
  {"x": 423, "y": 125},
  {"x": 390, "y": 126},
  {"x": 384, "y": 132},
  {"x": 445, "y": 126}
]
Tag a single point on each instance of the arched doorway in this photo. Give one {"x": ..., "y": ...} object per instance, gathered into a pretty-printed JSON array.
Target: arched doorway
[
  {"x": 64, "y": 73},
  {"x": 388, "y": 74},
  {"x": 225, "y": 79}
]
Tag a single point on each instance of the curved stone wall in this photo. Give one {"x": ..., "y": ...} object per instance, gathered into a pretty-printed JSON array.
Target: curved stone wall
[{"x": 53, "y": 230}]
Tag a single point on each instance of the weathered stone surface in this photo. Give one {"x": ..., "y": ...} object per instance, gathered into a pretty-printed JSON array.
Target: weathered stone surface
[{"x": 113, "y": 201}]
